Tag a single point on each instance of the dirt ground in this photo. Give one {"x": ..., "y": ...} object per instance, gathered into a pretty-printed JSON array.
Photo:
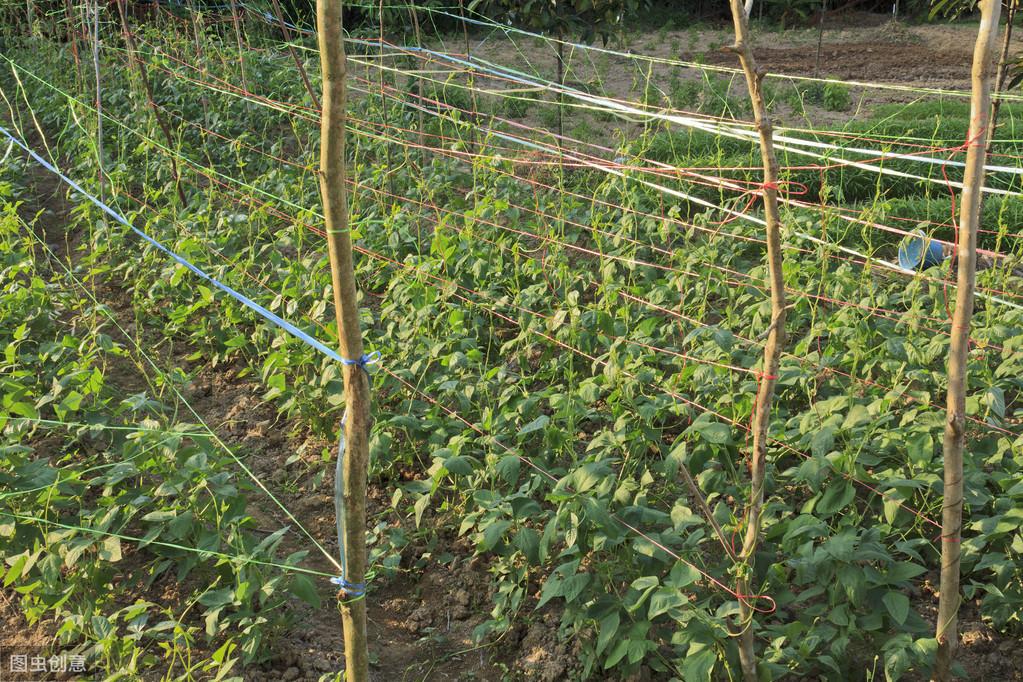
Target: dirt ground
[
  {"x": 421, "y": 621},
  {"x": 867, "y": 48}
]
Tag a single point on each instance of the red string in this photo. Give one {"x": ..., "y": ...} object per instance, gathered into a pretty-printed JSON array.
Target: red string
[{"x": 757, "y": 189}]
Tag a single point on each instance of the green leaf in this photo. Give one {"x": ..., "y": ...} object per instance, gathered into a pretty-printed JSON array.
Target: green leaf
[
  {"x": 492, "y": 534},
  {"x": 215, "y": 598},
  {"x": 607, "y": 629},
  {"x": 663, "y": 600},
  {"x": 857, "y": 415},
  {"x": 110, "y": 550},
  {"x": 822, "y": 442},
  {"x": 920, "y": 449},
  {"x": 508, "y": 468},
  {"x": 535, "y": 425},
  {"x": 714, "y": 432},
  {"x": 161, "y": 515},
  {"x": 527, "y": 541},
  {"x": 460, "y": 465},
  {"x": 585, "y": 477},
  {"x": 698, "y": 666},
  {"x": 995, "y": 399},
  {"x": 838, "y": 495},
  {"x": 303, "y": 588},
  {"x": 419, "y": 507},
  {"x": 682, "y": 575},
  {"x": 24, "y": 410},
  {"x": 641, "y": 588},
  {"x": 903, "y": 570},
  {"x": 617, "y": 653},
  {"x": 897, "y": 605},
  {"x": 14, "y": 572}
]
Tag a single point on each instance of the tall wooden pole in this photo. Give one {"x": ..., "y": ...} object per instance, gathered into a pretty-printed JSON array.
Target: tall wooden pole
[
  {"x": 955, "y": 432},
  {"x": 775, "y": 337},
  {"x": 339, "y": 248}
]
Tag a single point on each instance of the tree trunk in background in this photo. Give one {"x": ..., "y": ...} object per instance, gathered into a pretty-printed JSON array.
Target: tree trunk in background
[
  {"x": 775, "y": 337},
  {"x": 949, "y": 600},
  {"x": 346, "y": 307}
]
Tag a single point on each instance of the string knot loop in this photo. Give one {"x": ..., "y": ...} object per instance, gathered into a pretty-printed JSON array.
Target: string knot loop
[
  {"x": 364, "y": 361},
  {"x": 350, "y": 589}
]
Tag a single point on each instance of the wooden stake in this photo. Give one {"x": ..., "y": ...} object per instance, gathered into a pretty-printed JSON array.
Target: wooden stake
[
  {"x": 949, "y": 599},
  {"x": 775, "y": 337},
  {"x": 339, "y": 248}
]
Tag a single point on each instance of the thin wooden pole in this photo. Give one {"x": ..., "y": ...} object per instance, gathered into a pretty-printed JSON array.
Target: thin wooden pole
[
  {"x": 356, "y": 382},
  {"x": 414, "y": 11},
  {"x": 144, "y": 74},
  {"x": 1003, "y": 69},
  {"x": 99, "y": 100},
  {"x": 946, "y": 630},
  {"x": 820, "y": 38},
  {"x": 238, "y": 37},
  {"x": 775, "y": 337},
  {"x": 472, "y": 78},
  {"x": 560, "y": 59},
  {"x": 203, "y": 64},
  {"x": 72, "y": 37},
  {"x": 294, "y": 55}
]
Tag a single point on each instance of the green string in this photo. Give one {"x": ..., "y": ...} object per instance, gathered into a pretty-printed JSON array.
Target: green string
[
  {"x": 170, "y": 545},
  {"x": 59, "y": 481},
  {"x": 255, "y": 479},
  {"x": 108, "y": 427}
]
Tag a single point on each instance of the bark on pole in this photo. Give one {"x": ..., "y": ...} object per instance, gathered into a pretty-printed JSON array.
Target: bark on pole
[
  {"x": 775, "y": 337},
  {"x": 339, "y": 248},
  {"x": 966, "y": 244}
]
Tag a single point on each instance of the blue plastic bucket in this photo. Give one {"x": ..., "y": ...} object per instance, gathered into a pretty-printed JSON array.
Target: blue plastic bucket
[{"x": 919, "y": 252}]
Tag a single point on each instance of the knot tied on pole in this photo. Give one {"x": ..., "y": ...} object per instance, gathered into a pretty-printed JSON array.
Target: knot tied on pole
[{"x": 363, "y": 361}]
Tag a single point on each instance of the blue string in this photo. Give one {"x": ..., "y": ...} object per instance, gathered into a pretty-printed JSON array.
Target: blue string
[
  {"x": 354, "y": 590},
  {"x": 241, "y": 298},
  {"x": 363, "y": 361}
]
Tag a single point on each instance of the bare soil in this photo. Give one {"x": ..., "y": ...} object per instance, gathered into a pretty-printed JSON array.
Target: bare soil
[{"x": 862, "y": 47}]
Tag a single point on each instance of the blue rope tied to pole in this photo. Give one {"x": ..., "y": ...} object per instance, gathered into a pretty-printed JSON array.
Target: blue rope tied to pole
[
  {"x": 364, "y": 362},
  {"x": 353, "y": 590}
]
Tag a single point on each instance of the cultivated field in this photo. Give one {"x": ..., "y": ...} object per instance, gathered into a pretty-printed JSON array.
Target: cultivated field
[{"x": 564, "y": 298}]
